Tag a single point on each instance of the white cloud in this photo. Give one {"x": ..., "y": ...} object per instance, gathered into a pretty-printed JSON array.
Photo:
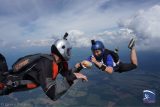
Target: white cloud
[
  {"x": 21, "y": 24},
  {"x": 42, "y": 42},
  {"x": 40, "y": 23},
  {"x": 81, "y": 39},
  {"x": 2, "y": 43},
  {"x": 146, "y": 26},
  {"x": 78, "y": 38},
  {"x": 111, "y": 38}
]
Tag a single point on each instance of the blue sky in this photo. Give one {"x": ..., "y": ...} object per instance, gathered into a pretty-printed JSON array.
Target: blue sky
[{"x": 28, "y": 23}]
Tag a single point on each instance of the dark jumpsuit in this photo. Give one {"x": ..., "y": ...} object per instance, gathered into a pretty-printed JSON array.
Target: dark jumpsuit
[{"x": 42, "y": 75}]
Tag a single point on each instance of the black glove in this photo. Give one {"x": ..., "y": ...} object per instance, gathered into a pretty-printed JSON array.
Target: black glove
[{"x": 77, "y": 70}]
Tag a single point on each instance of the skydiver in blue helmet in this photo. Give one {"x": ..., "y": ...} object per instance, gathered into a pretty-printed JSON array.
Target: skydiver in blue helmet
[{"x": 107, "y": 60}]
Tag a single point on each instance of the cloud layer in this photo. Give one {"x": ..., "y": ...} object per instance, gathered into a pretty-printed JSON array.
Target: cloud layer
[
  {"x": 146, "y": 25},
  {"x": 26, "y": 24}
]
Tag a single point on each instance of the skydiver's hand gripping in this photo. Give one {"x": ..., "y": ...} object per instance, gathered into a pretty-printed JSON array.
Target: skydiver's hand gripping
[
  {"x": 93, "y": 59},
  {"x": 103, "y": 67}
]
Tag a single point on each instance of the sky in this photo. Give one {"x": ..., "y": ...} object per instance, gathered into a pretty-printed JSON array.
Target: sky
[{"x": 37, "y": 23}]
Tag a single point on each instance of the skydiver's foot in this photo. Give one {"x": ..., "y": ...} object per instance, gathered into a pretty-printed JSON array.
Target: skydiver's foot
[{"x": 131, "y": 43}]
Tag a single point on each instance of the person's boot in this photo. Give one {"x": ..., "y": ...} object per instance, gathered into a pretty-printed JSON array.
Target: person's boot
[{"x": 131, "y": 43}]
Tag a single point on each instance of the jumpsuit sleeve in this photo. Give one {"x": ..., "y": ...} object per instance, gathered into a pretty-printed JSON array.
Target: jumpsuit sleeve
[
  {"x": 109, "y": 61},
  {"x": 68, "y": 74},
  {"x": 53, "y": 88}
]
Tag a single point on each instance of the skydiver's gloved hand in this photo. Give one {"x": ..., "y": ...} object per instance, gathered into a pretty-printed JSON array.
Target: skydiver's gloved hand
[{"x": 83, "y": 64}]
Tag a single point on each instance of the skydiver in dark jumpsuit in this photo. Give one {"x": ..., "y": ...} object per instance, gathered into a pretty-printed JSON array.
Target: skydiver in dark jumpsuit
[{"x": 44, "y": 73}]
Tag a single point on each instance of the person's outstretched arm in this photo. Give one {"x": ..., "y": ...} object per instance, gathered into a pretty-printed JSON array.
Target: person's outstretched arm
[{"x": 55, "y": 88}]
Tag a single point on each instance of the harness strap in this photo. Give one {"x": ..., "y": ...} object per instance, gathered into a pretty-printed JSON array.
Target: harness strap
[{"x": 28, "y": 83}]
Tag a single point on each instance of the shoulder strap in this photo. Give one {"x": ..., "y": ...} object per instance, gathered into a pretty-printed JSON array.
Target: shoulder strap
[
  {"x": 105, "y": 55},
  {"x": 114, "y": 55},
  {"x": 28, "y": 83}
]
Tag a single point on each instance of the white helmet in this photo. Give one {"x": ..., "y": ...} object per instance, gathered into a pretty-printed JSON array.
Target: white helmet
[{"x": 62, "y": 48}]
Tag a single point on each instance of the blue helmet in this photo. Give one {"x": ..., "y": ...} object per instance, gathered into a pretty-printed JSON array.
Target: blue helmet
[{"x": 97, "y": 45}]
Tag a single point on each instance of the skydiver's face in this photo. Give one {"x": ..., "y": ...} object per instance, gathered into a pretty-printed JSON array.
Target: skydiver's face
[{"x": 97, "y": 53}]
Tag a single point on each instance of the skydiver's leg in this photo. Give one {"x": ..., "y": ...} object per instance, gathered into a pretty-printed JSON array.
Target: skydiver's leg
[
  {"x": 123, "y": 67},
  {"x": 133, "y": 57}
]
